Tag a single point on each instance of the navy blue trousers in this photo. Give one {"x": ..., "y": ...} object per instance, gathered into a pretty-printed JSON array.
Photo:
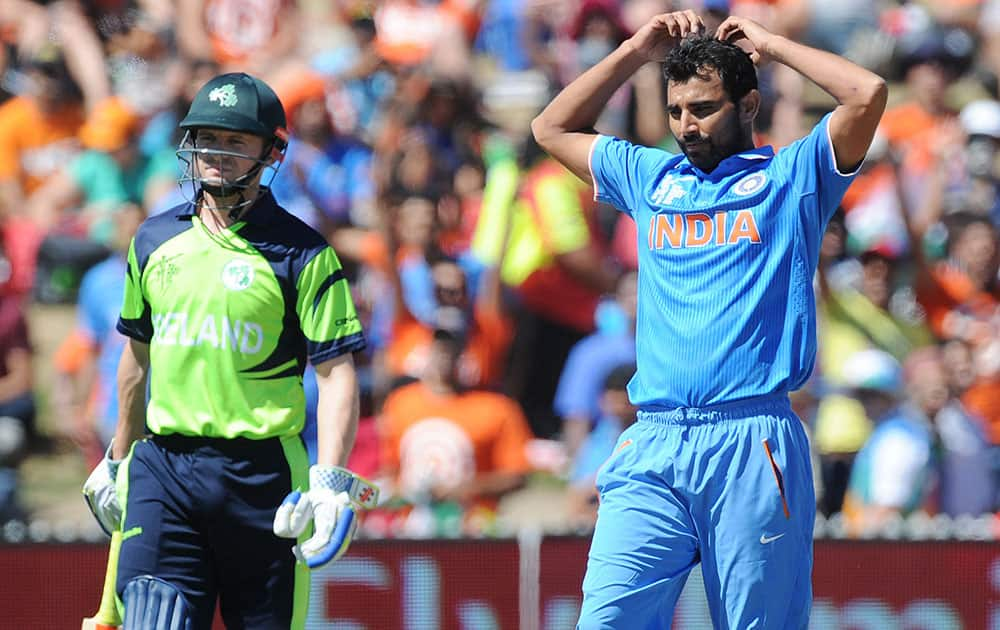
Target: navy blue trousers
[{"x": 199, "y": 513}]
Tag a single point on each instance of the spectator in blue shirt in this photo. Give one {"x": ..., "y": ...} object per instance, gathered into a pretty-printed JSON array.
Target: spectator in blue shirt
[
  {"x": 894, "y": 471},
  {"x": 325, "y": 178},
  {"x": 616, "y": 415},
  {"x": 86, "y": 364},
  {"x": 592, "y": 359}
]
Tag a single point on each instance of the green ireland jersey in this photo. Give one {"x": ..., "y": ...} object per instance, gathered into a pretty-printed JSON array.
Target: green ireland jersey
[{"x": 231, "y": 319}]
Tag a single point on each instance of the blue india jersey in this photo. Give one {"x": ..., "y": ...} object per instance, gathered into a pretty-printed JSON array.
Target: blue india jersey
[{"x": 726, "y": 260}]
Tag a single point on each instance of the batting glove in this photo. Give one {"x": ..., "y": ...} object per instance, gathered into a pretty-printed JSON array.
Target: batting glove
[
  {"x": 101, "y": 495},
  {"x": 334, "y": 497}
]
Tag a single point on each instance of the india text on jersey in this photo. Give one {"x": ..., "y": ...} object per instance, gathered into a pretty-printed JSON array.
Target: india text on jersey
[{"x": 698, "y": 229}]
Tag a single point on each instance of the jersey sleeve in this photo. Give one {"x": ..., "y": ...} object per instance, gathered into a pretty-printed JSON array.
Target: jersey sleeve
[
  {"x": 135, "y": 320},
  {"x": 326, "y": 310},
  {"x": 621, "y": 171},
  {"x": 812, "y": 163}
]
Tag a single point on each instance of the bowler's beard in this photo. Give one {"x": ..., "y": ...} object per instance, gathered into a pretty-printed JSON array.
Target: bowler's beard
[{"x": 709, "y": 151}]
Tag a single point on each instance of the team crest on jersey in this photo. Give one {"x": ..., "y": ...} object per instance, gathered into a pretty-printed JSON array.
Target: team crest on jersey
[
  {"x": 670, "y": 189},
  {"x": 750, "y": 184},
  {"x": 225, "y": 95},
  {"x": 237, "y": 275}
]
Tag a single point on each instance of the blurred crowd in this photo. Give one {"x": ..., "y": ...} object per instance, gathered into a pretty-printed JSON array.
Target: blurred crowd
[{"x": 498, "y": 298}]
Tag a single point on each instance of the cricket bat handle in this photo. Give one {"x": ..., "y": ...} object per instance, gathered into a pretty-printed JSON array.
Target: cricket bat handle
[{"x": 106, "y": 617}]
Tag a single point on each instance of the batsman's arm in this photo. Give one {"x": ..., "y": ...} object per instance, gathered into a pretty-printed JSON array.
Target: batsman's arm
[
  {"x": 133, "y": 370},
  {"x": 335, "y": 493},
  {"x": 337, "y": 410}
]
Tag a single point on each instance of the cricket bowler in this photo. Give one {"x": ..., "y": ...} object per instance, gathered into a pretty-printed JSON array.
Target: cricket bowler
[{"x": 716, "y": 469}]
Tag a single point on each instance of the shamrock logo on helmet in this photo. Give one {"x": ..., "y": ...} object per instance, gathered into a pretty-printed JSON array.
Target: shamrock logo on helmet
[{"x": 224, "y": 94}]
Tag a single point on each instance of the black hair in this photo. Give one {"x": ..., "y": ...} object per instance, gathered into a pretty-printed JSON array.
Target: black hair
[
  {"x": 617, "y": 380},
  {"x": 838, "y": 218},
  {"x": 873, "y": 254},
  {"x": 441, "y": 258},
  {"x": 959, "y": 222},
  {"x": 51, "y": 63},
  {"x": 696, "y": 53}
]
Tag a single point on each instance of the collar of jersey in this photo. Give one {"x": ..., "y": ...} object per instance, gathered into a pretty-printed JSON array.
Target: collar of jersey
[
  {"x": 731, "y": 165},
  {"x": 260, "y": 213}
]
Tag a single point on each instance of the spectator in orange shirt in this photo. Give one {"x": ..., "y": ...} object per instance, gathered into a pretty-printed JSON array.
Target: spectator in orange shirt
[
  {"x": 488, "y": 332},
  {"x": 82, "y": 197},
  {"x": 411, "y": 249},
  {"x": 961, "y": 296},
  {"x": 914, "y": 127},
  {"x": 38, "y": 129},
  {"x": 239, "y": 35},
  {"x": 410, "y": 33},
  {"x": 38, "y": 135},
  {"x": 444, "y": 443}
]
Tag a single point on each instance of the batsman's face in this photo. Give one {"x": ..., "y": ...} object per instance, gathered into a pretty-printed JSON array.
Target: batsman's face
[
  {"x": 706, "y": 123},
  {"x": 214, "y": 166}
]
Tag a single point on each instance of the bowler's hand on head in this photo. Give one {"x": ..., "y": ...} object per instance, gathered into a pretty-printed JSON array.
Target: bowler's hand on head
[
  {"x": 739, "y": 29},
  {"x": 664, "y": 31}
]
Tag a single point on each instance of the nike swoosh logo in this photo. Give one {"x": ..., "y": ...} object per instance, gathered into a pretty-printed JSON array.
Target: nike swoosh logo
[{"x": 766, "y": 539}]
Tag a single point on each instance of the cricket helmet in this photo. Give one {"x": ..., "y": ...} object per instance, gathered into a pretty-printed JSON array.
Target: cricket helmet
[
  {"x": 238, "y": 102},
  {"x": 234, "y": 102}
]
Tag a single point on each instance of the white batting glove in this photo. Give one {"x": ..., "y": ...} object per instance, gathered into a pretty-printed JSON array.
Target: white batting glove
[
  {"x": 334, "y": 496},
  {"x": 101, "y": 495}
]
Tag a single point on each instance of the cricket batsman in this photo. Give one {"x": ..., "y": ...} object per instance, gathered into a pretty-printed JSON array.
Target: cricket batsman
[
  {"x": 716, "y": 468},
  {"x": 226, "y": 298}
]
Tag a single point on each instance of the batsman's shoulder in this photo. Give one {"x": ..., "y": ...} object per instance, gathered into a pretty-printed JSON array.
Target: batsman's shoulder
[
  {"x": 159, "y": 228},
  {"x": 293, "y": 232}
]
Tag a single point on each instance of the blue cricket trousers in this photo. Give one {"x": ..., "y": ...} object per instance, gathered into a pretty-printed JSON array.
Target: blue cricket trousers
[{"x": 729, "y": 486}]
